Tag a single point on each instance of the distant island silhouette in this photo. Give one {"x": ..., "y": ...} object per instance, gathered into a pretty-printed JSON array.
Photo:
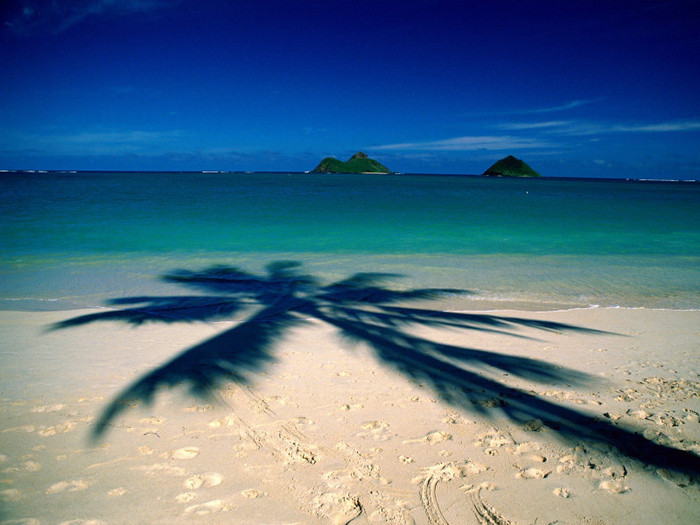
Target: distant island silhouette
[
  {"x": 358, "y": 163},
  {"x": 361, "y": 163},
  {"x": 510, "y": 167}
]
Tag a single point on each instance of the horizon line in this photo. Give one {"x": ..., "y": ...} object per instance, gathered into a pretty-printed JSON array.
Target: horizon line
[{"x": 395, "y": 173}]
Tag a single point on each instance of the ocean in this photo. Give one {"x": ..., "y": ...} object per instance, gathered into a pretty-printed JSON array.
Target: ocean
[{"x": 75, "y": 240}]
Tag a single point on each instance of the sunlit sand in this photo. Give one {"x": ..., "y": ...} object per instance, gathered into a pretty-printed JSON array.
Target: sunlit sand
[{"x": 329, "y": 430}]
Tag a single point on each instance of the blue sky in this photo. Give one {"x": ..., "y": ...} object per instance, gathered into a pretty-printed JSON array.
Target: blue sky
[{"x": 600, "y": 89}]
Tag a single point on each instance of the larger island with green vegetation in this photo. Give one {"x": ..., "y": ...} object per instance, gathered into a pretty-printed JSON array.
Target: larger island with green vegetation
[
  {"x": 358, "y": 163},
  {"x": 510, "y": 167}
]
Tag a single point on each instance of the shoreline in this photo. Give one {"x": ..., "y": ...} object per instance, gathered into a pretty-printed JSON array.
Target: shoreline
[
  {"x": 487, "y": 282},
  {"x": 320, "y": 428}
]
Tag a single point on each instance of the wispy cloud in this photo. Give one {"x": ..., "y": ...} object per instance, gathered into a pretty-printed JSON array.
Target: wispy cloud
[
  {"x": 550, "y": 124},
  {"x": 562, "y": 107},
  {"x": 573, "y": 127},
  {"x": 31, "y": 17},
  {"x": 540, "y": 110},
  {"x": 542, "y": 135},
  {"x": 470, "y": 143},
  {"x": 661, "y": 127}
]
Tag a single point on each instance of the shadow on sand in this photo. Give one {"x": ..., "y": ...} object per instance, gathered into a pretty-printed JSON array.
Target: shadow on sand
[{"x": 362, "y": 309}]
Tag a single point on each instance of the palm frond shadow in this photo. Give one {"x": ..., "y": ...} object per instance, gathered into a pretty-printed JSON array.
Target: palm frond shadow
[{"x": 363, "y": 310}]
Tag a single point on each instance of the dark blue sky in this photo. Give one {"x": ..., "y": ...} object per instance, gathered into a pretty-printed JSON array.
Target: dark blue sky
[{"x": 604, "y": 89}]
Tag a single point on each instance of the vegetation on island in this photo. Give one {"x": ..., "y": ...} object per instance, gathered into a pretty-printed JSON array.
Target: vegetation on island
[
  {"x": 358, "y": 163},
  {"x": 510, "y": 167}
]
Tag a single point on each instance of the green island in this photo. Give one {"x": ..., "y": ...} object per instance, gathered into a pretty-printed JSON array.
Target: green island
[
  {"x": 510, "y": 167},
  {"x": 358, "y": 163}
]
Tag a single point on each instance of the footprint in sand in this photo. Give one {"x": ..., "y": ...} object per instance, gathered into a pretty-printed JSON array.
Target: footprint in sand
[
  {"x": 26, "y": 428},
  {"x": 524, "y": 448},
  {"x": 186, "y": 497},
  {"x": 456, "y": 419},
  {"x": 666, "y": 419},
  {"x": 537, "y": 458},
  {"x": 475, "y": 468},
  {"x": 614, "y": 486},
  {"x": 340, "y": 509},
  {"x": 70, "y": 486},
  {"x": 448, "y": 472},
  {"x": 88, "y": 399},
  {"x": 31, "y": 466},
  {"x": 562, "y": 492},
  {"x": 303, "y": 423},
  {"x": 10, "y": 495},
  {"x": 691, "y": 415},
  {"x": 375, "y": 425},
  {"x": 679, "y": 478},
  {"x": 432, "y": 438},
  {"x": 377, "y": 430},
  {"x": 470, "y": 488},
  {"x": 181, "y": 453},
  {"x": 119, "y": 491},
  {"x": 208, "y": 480},
  {"x": 253, "y": 493},
  {"x": 48, "y": 408},
  {"x": 533, "y": 473},
  {"x": 199, "y": 408},
  {"x": 639, "y": 414},
  {"x": 577, "y": 459},
  {"x": 61, "y": 428},
  {"x": 405, "y": 459},
  {"x": 494, "y": 440},
  {"x": 225, "y": 421},
  {"x": 208, "y": 507},
  {"x": 161, "y": 468},
  {"x": 145, "y": 450}
]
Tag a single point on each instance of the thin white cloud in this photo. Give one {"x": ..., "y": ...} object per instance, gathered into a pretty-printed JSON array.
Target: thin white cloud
[
  {"x": 563, "y": 107},
  {"x": 571, "y": 127},
  {"x": 534, "y": 111},
  {"x": 517, "y": 126},
  {"x": 469, "y": 143},
  {"x": 661, "y": 127}
]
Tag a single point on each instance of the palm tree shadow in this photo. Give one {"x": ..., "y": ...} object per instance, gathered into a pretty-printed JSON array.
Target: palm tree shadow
[{"x": 363, "y": 310}]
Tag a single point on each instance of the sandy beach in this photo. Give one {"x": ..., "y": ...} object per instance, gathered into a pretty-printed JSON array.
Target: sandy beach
[{"x": 578, "y": 417}]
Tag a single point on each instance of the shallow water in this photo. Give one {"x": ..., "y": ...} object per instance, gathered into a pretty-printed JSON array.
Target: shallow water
[{"x": 75, "y": 240}]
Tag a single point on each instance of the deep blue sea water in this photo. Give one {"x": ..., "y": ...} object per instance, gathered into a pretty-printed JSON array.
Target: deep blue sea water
[{"x": 71, "y": 240}]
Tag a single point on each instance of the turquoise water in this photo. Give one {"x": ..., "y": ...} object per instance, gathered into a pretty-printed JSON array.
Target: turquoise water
[{"x": 75, "y": 239}]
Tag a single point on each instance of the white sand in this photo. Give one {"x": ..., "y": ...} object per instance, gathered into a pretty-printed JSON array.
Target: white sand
[{"x": 328, "y": 433}]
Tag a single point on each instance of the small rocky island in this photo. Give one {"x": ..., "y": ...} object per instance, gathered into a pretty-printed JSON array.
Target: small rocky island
[
  {"x": 510, "y": 167},
  {"x": 358, "y": 163}
]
